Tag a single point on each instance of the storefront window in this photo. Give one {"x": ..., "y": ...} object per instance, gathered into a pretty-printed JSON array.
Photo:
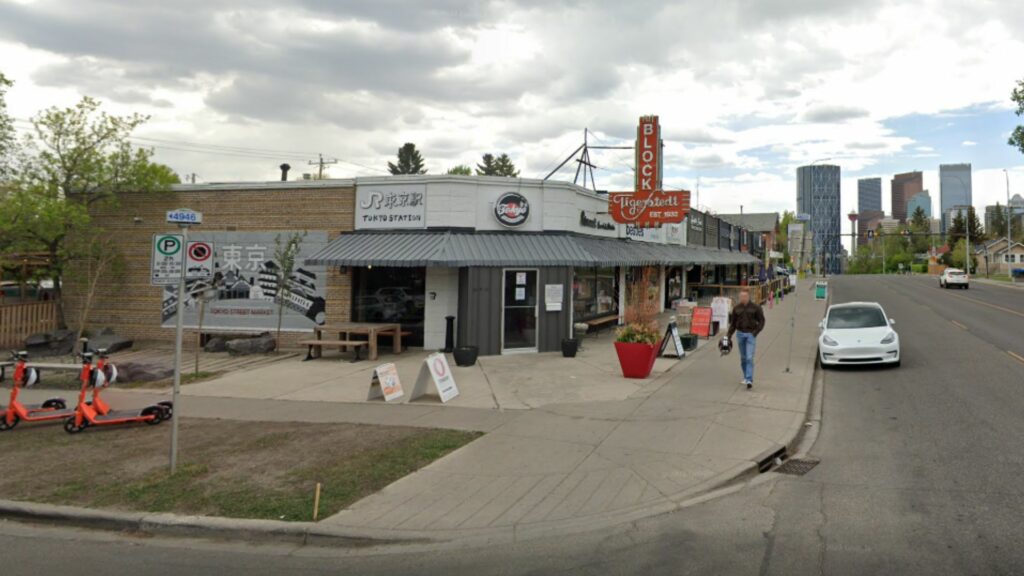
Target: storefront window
[
  {"x": 673, "y": 285},
  {"x": 391, "y": 295},
  {"x": 595, "y": 292}
]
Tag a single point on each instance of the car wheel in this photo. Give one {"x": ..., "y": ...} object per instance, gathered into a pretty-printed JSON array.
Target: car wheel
[{"x": 966, "y": 286}]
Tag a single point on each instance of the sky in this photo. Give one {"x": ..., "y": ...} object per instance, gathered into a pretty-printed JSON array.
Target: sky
[{"x": 746, "y": 90}]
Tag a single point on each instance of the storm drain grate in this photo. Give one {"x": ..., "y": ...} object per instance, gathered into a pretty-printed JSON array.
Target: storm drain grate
[{"x": 797, "y": 466}]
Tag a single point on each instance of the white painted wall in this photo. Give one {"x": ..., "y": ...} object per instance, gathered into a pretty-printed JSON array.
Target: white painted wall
[{"x": 442, "y": 299}]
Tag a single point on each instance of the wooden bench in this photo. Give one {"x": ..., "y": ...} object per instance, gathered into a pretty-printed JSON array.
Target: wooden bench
[
  {"x": 596, "y": 324},
  {"x": 340, "y": 344}
]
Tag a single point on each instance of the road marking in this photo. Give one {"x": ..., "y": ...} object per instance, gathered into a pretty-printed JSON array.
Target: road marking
[
  {"x": 1016, "y": 356},
  {"x": 990, "y": 305},
  {"x": 959, "y": 325}
]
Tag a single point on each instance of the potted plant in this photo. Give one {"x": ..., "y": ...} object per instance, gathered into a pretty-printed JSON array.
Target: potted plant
[
  {"x": 465, "y": 355},
  {"x": 636, "y": 343}
]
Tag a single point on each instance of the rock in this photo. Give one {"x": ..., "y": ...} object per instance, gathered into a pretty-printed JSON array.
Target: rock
[
  {"x": 55, "y": 343},
  {"x": 261, "y": 344},
  {"x": 134, "y": 372},
  {"x": 111, "y": 342},
  {"x": 216, "y": 344}
]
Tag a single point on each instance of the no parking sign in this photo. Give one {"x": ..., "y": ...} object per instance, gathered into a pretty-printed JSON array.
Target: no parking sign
[{"x": 199, "y": 261}]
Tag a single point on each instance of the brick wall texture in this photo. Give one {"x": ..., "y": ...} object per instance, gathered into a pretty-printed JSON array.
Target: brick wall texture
[{"x": 128, "y": 303}]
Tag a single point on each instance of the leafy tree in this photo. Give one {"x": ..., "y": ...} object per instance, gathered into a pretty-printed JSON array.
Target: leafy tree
[
  {"x": 920, "y": 227},
  {"x": 410, "y": 161},
  {"x": 1017, "y": 136},
  {"x": 496, "y": 166},
  {"x": 998, "y": 225},
  {"x": 286, "y": 250},
  {"x": 782, "y": 238},
  {"x": 956, "y": 256},
  {"x": 460, "y": 170},
  {"x": 80, "y": 156},
  {"x": 7, "y": 139}
]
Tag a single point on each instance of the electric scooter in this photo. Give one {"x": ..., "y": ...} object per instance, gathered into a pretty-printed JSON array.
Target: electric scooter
[
  {"x": 26, "y": 376},
  {"x": 109, "y": 371},
  {"x": 85, "y": 414}
]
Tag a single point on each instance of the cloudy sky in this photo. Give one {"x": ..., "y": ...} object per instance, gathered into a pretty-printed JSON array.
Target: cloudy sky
[{"x": 746, "y": 89}]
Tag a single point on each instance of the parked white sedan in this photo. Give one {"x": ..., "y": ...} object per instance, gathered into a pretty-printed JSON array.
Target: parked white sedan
[{"x": 858, "y": 333}]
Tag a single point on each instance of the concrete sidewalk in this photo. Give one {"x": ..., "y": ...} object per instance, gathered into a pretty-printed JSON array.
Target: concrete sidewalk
[
  {"x": 581, "y": 465},
  {"x": 558, "y": 464}
]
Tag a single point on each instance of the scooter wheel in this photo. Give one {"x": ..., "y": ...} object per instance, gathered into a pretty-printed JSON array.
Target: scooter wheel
[
  {"x": 69, "y": 426},
  {"x": 55, "y": 403},
  {"x": 156, "y": 412},
  {"x": 4, "y": 426},
  {"x": 168, "y": 408}
]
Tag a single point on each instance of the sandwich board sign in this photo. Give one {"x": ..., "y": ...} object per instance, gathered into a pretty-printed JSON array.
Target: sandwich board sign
[
  {"x": 435, "y": 369},
  {"x": 702, "y": 321},
  {"x": 199, "y": 260},
  {"x": 167, "y": 259},
  {"x": 672, "y": 333},
  {"x": 385, "y": 383}
]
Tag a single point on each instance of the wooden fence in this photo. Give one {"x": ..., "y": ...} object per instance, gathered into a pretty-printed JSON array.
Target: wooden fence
[
  {"x": 19, "y": 321},
  {"x": 705, "y": 293}
]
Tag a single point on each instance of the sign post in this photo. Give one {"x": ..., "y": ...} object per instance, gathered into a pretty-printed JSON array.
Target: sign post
[{"x": 183, "y": 218}]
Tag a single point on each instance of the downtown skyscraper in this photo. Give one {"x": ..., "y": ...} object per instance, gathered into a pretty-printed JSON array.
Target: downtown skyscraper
[
  {"x": 817, "y": 195},
  {"x": 954, "y": 190}
]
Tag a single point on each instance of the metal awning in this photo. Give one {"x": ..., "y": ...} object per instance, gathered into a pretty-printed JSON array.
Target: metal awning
[{"x": 454, "y": 249}]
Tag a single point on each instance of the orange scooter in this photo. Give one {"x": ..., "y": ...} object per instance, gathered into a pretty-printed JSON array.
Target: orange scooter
[
  {"x": 86, "y": 413},
  {"x": 26, "y": 376},
  {"x": 109, "y": 371}
]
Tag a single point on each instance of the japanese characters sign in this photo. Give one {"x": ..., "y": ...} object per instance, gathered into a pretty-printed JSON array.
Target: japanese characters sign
[
  {"x": 390, "y": 207},
  {"x": 246, "y": 280},
  {"x": 649, "y": 205}
]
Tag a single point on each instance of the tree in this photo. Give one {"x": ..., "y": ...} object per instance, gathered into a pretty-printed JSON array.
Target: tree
[
  {"x": 97, "y": 258},
  {"x": 460, "y": 170},
  {"x": 1017, "y": 136},
  {"x": 410, "y": 161},
  {"x": 782, "y": 238},
  {"x": 920, "y": 227},
  {"x": 82, "y": 157},
  {"x": 7, "y": 138},
  {"x": 956, "y": 256},
  {"x": 959, "y": 227},
  {"x": 997, "y": 227},
  {"x": 496, "y": 166},
  {"x": 286, "y": 250}
]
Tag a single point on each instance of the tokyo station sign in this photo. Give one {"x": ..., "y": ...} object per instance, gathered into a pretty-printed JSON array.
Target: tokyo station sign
[{"x": 649, "y": 205}]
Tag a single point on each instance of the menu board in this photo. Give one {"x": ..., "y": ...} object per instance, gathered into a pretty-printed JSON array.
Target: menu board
[{"x": 702, "y": 321}]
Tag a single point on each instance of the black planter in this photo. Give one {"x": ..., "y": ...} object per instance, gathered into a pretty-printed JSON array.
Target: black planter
[
  {"x": 689, "y": 342},
  {"x": 465, "y": 355},
  {"x": 569, "y": 347}
]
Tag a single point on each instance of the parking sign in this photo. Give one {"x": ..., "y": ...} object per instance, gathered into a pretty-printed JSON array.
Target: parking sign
[
  {"x": 167, "y": 259},
  {"x": 199, "y": 261}
]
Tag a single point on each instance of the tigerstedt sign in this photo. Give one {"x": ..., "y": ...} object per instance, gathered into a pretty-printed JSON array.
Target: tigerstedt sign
[{"x": 649, "y": 205}]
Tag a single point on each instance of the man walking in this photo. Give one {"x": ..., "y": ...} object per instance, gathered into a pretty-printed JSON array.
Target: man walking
[{"x": 746, "y": 320}]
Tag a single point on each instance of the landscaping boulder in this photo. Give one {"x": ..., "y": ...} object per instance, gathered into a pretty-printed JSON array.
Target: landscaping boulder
[
  {"x": 53, "y": 343},
  {"x": 261, "y": 344},
  {"x": 216, "y": 344},
  {"x": 112, "y": 342},
  {"x": 135, "y": 372}
]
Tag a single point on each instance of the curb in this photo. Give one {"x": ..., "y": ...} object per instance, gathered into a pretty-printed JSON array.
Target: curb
[{"x": 333, "y": 535}]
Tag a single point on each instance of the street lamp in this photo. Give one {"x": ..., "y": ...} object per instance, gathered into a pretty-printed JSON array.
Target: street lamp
[{"x": 1009, "y": 223}]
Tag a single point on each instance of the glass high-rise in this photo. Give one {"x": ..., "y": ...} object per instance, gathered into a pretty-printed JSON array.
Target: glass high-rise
[
  {"x": 869, "y": 195},
  {"x": 817, "y": 194},
  {"x": 904, "y": 187},
  {"x": 954, "y": 190}
]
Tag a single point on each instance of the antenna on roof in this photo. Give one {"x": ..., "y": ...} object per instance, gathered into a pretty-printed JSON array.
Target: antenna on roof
[{"x": 583, "y": 164}]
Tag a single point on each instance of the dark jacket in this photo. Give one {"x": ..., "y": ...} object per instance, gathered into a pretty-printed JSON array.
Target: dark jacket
[{"x": 747, "y": 317}]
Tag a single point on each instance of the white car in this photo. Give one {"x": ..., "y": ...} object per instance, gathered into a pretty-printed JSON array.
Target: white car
[
  {"x": 954, "y": 277},
  {"x": 858, "y": 333}
]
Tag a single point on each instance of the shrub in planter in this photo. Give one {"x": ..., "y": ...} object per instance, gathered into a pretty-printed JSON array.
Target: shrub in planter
[{"x": 636, "y": 343}]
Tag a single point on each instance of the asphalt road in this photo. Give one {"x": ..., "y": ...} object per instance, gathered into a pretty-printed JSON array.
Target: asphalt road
[{"x": 922, "y": 472}]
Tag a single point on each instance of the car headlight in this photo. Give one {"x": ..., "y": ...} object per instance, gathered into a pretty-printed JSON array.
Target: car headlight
[
  {"x": 889, "y": 338},
  {"x": 828, "y": 341}
]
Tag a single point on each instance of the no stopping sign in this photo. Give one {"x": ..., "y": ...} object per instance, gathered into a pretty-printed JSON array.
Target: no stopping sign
[{"x": 199, "y": 260}]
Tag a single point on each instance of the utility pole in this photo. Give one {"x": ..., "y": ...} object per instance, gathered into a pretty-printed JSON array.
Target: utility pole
[
  {"x": 1009, "y": 225},
  {"x": 321, "y": 163}
]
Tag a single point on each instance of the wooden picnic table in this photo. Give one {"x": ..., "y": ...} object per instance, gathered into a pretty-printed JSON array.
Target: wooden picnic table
[{"x": 370, "y": 329}]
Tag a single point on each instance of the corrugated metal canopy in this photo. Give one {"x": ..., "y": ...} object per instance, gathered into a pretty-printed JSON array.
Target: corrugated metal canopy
[{"x": 454, "y": 249}]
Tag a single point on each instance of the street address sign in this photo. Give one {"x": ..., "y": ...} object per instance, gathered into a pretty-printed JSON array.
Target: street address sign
[
  {"x": 184, "y": 216},
  {"x": 168, "y": 250}
]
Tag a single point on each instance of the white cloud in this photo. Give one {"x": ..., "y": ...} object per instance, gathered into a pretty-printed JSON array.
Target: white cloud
[{"x": 968, "y": 143}]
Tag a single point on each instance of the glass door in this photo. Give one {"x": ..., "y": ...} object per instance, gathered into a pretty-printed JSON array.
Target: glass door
[{"x": 519, "y": 316}]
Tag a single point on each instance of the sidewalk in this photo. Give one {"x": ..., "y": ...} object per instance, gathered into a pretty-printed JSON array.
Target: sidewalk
[
  {"x": 560, "y": 461},
  {"x": 581, "y": 465}
]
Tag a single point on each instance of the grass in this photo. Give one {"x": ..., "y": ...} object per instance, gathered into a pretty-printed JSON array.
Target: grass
[{"x": 226, "y": 468}]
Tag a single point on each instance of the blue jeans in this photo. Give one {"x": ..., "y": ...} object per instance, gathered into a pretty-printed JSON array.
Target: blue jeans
[{"x": 745, "y": 341}]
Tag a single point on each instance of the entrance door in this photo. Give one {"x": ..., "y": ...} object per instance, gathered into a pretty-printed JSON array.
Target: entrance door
[{"x": 519, "y": 319}]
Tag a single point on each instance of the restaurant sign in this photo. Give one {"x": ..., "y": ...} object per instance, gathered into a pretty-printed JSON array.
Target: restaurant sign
[{"x": 648, "y": 205}]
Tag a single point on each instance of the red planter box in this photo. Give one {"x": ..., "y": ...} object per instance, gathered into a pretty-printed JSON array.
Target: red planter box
[{"x": 636, "y": 360}]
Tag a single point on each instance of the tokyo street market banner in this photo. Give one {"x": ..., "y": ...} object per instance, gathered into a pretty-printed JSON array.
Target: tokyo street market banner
[{"x": 246, "y": 276}]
